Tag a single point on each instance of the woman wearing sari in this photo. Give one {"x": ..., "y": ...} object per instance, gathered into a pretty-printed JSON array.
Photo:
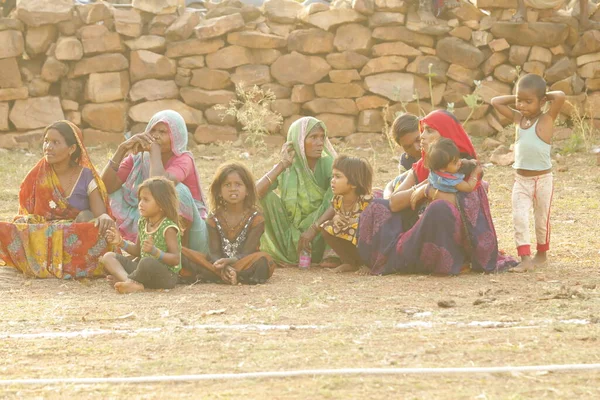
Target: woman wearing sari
[
  {"x": 52, "y": 238},
  {"x": 161, "y": 150},
  {"x": 303, "y": 177},
  {"x": 455, "y": 230}
]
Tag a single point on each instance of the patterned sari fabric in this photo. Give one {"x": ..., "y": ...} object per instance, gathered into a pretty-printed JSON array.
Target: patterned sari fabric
[
  {"x": 124, "y": 202},
  {"x": 303, "y": 197},
  {"x": 43, "y": 241},
  {"x": 444, "y": 238}
]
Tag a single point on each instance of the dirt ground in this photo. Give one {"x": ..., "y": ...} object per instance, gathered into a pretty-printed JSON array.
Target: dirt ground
[{"x": 53, "y": 329}]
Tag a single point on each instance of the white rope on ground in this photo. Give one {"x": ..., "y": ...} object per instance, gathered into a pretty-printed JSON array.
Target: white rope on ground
[{"x": 305, "y": 372}]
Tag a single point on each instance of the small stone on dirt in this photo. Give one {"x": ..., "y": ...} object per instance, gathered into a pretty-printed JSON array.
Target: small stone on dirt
[{"x": 446, "y": 303}]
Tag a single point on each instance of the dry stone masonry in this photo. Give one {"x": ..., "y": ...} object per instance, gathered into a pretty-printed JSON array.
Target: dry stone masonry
[{"x": 354, "y": 64}]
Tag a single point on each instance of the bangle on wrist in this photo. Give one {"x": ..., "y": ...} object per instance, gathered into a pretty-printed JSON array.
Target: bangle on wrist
[
  {"x": 113, "y": 164},
  {"x": 160, "y": 255},
  {"x": 269, "y": 178}
]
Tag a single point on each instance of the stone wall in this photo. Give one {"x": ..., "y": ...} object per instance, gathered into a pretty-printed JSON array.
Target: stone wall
[{"x": 110, "y": 69}]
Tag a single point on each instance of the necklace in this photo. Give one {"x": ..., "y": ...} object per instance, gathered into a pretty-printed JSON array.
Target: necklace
[
  {"x": 228, "y": 225},
  {"x": 348, "y": 210},
  {"x": 153, "y": 225},
  {"x": 529, "y": 121}
]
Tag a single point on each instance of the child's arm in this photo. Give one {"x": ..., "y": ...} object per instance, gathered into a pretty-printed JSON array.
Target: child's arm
[
  {"x": 557, "y": 98},
  {"x": 469, "y": 185},
  {"x": 313, "y": 230},
  {"x": 500, "y": 103},
  {"x": 172, "y": 256},
  {"x": 114, "y": 237}
]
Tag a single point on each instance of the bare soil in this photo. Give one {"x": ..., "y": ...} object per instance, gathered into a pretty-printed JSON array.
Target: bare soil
[{"x": 550, "y": 316}]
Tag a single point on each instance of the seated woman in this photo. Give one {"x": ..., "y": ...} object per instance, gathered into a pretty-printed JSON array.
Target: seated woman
[
  {"x": 303, "y": 177},
  {"x": 453, "y": 231},
  {"x": 160, "y": 151},
  {"x": 52, "y": 237},
  {"x": 584, "y": 6}
]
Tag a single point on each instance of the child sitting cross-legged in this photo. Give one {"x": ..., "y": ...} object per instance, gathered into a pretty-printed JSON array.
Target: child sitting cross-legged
[{"x": 158, "y": 245}]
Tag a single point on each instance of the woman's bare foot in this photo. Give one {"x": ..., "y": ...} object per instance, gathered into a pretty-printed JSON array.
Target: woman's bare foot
[
  {"x": 129, "y": 286},
  {"x": 427, "y": 16},
  {"x": 111, "y": 280},
  {"x": 345, "y": 268},
  {"x": 525, "y": 266},
  {"x": 363, "y": 270},
  {"x": 230, "y": 275}
]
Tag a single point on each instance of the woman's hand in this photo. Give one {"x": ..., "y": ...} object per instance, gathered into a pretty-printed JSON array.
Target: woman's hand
[
  {"x": 148, "y": 245},
  {"x": 103, "y": 222},
  {"x": 287, "y": 154},
  {"x": 138, "y": 143},
  {"x": 477, "y": 171},
  {"x": 113, "y": 236},
  {"x": 417, "y": 195},
  {"x": 304, "y": 243}
]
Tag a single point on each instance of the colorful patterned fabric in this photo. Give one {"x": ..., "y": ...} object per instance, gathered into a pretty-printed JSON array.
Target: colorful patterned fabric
[
  {"x": 344, "y": 224},
  {"x": 158, "y": 235},
  {"x": 124, "y": 202},
  {"x": 303, "y": 197},
  {"x": 43, "y": 241}
]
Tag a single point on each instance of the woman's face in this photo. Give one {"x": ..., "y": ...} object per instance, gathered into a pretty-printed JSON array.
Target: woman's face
[
  {"x": 411, "y": 143},
  {"x": 314, "y": 142},
  {"x": 55, "y": 147},
  {"x": 160, "y": 132},
  {"x": 428, "y": 137}
]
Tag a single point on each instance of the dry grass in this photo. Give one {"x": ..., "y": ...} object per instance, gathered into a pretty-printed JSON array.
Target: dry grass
[{"x": 361, "y": 318}]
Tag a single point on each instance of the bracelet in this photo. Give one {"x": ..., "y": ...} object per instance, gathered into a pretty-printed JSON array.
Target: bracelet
[
  {"x": 160, "y": 256},
  {"x": 113, "y": 165},
  {"x": 269, "y": 179},
  {"x": 124, "y": 245}
]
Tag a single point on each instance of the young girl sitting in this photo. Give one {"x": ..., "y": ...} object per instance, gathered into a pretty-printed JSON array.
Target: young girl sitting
[
  {"x": 447, "y": 170},
  {"x": 235, "y": 227},
  {"x": 158, "y": 245},
  {"x": 351, "y": 187}
]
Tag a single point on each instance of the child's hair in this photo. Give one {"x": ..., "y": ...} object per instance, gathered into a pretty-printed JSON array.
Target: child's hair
[
  {"x": 441, "y": 153},
  {"x": 404, "y": 124},
  {"x": 164, "y": 193},
  {"x": 358, "y": 171},
  {"x": 533, "y": 82},
  {"x": 220, "y": 176}
]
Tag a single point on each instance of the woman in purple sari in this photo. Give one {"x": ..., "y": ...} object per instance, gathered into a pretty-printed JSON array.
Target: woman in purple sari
[{"x": 455, "y": 231}]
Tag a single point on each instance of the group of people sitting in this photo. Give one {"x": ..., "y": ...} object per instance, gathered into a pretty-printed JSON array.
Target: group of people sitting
[{"x": 144, "y": 220}]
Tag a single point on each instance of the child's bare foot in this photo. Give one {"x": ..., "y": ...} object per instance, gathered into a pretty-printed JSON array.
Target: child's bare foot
[
  {"x": 111, "y": 280},
  {"x": 345, "y": 268},
  {"x": 230, "y": 275},
  {"x": 129, "y": 286},
  {"x": 363, "y": 270},
  {"x": 540, "y": 259},
  {"x": 525, "y": 266}
]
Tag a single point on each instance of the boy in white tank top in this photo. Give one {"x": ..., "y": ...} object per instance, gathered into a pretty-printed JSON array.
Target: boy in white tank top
[{"x": 533, "y": 186}]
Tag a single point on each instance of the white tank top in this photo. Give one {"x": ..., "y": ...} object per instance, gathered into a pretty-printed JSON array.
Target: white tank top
[{"x": 531, "y": 152}]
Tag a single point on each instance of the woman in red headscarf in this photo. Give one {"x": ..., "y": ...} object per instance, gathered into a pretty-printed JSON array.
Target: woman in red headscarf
[{"x": 453, "y": 231}]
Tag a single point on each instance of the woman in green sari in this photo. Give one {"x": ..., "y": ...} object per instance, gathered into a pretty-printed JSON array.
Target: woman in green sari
[{"x": 303, "y": 178}]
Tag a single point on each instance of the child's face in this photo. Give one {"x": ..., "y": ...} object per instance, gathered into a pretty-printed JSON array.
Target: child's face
[
  {"x": 453, "y": 166},
  {"x": 527, "y": 103},
  {"x": 147, "y": 205},
  {"x": 233, "y": 190},
  {"x": 339, "y": 183},
  {"x": 411, "y": 143}
]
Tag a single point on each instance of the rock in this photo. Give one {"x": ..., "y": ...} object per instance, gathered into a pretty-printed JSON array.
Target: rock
[
  {"x": 386, "y": 19},
  {"x": 74, "y": 117},
  {"x": 215, "y": 133},
  {"x": 39, "y": 39},
  {"x": 544, "y": 34},
  {"x": 101, "y": 41},
  {"x": 462, "y": 32},
  {"x": 93, "y": 13},
  {"x": 446, "y": 303},
  {"x": 37, "y": 112},
  {"x": 53, "y": 70},
  {"x": 282, "y": 11},
  {"x": 128, "y": 22},
  {"x": 492, "y": 88},
  {"x": 191, "y": 62},
  {"x": 570, "y": 86},
  {"x": 10, "y": 76},
  {"x": 280, "y": 91},
  {"x": 540, "y": 54},
  {"x": 455, "y": 92},
  {"x": 43, "y": 12},
  {"x": 455, "y": 51},
  {"x": 468, "y": 12},
  {"x": 4, "y": 109},
  {"x": 157, "y": 6},
  {"x": 366, "y": 7},
  {"x": 518, "y": 55},
  {"x": 264, "y": 56},
  {"x": 229, "y": 57},
  {"x": 160, "y": 23},
  {"x": 464, "y": 75},
  {"x": 497, "y": 126},
  {"x": 414, "y": 23},
  {"x": 353, "y": 37},
  {"x": 183, "y": 27},
  {"x": 479, "y": 128},
  {"x": 592, "y": 84},
  {"x": 111, "y": 117},
  {"x": 330, "y": 19},
  {"x": 424, "y": 65},
  {"x": 210, "y": 79},
  {"x": 20, "y": 93},
  {"x": 490, "y": 144},
  {"x": 332, "y": 106},
  {"x": 37, "y": 87},
  {"x": 256, "y": 40},
  {"x": 479, "y": 112},
  {"x": 338, "y": 125},
  {"x": 148, "y": 65},
  {"x": 346, "y": 60},
  {"x": 344, "y": 76},
  {"x": 71, "y": 26},
  {"x": 107, "y": 87},
  {"x": 499, "y": 45},
  {"x": 12, "y": 44},
  {"x": 492, "y": 62},
  {"x": 591, "y": 70},
  {"x": 94, "y": 137},
  {"x": 193, "y": 47},
  {"x": 506, "y": 73},
  {"x": 212, "y": 28},
  {"x": 72, "y": 89},
  {"x": 302, "y": 93},
  {"x": 592, "y": 104},
  {"x": 397, "y": 86},
  {"x": 310, "y": 41},
  {"x": 587, "y": 58},
  {"x": 294, "y": 68},
  {"x": 562, "y": 133},
  {"x": 101, "y": 63},
  {"x": 502, "y": 156},
  {"x": 370, "y": 121},
  {"x": 69, "y": 105},
  {"x": 143, "y": 112},
  {"x": 391, "y": 5},
  {"x": 153, "y": 43},
  {"x": 481, "y": 38},
  {"x": 68, "y": 48},
  {"x": 10, "y": 24},
  {"x": 534, "y": 67},
  {"x": 218, "y": 117},
  {"x": 338, "y": 90},
  {"x": 370, "y": 102},
  {"x": 394, "y": 49},
  {"x": 285, "y": 107},
  {"x": 200, "y": 98},
  {"x": 250, "y": 75},
  {"x": 588, "y": 43},
  {"x": 153, "y": 89},
  {"x": 487, "y": 4},
  {"x": 400, "y": 33}
]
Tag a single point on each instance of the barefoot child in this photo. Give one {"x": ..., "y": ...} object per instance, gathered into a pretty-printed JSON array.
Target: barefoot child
[
  {"x": 235, "y": 227},
  {"x": 533, "y": 181},
  {"x": 351, "y": 187},
  {"x": 158, "y": 245}
]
